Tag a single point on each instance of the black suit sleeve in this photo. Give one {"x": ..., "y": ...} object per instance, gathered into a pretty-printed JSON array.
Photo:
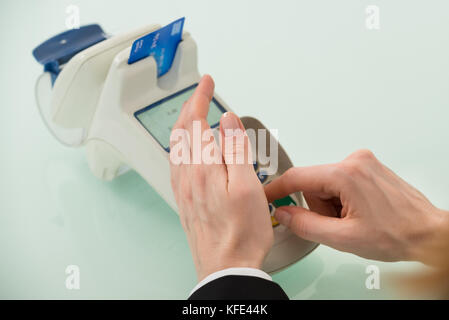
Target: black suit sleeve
[{"x": 235, "y": 287}]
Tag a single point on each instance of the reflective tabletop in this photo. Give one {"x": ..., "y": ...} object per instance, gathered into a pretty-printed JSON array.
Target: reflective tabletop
[{"x": 311, "y": 69}]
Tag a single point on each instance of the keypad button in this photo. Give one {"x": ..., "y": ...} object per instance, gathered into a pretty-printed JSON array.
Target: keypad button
[
  {"x": 255, "y": 165},
  {"x": 262, "y": 175},
  {"x": 287, "y": 201},
  {"x": 274, "y": 222}
]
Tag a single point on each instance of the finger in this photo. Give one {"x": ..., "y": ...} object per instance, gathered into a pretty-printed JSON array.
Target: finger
[
  {"x": 205, "y": 154},
  {"x": 195, "y": 121},
  {"x": 198, "y": 103},
  {"x": 322, "y": 179},
  {"x": 325, "y": 207},
  {"x": 235, "y": 149},
  {"x": 312, "y": 226}
]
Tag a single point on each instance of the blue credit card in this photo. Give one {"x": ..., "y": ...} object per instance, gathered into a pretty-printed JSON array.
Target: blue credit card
[{"x": 161, "y": 44}]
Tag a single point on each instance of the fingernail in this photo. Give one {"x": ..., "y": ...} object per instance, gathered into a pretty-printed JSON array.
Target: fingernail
[
  {"x": 230, "y": 123},
  {"x": 283, "y": 217}
]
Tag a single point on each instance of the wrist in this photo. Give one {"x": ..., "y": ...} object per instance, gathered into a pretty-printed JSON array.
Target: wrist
[
  {"x": 428, "y": 245},
  {"x": 221, "y": 264}
]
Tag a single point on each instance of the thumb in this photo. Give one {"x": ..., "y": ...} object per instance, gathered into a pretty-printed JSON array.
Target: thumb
[
  {"x": 312, "y": 226},
  {"x": 235, "y": 149}
]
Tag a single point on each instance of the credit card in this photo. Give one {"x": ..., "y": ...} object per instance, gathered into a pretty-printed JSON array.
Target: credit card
[{"x": 161, "y": 44}]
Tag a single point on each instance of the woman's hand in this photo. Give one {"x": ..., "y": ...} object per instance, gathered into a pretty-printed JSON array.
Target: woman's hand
[
  {"x": 222, "y": 205},
  {"x": 360, "y": 206}
]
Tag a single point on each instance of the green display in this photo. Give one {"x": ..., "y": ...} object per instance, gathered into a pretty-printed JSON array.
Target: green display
[{"x": 160, "y": 117}]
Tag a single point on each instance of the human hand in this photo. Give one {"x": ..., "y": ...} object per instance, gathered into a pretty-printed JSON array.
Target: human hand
[
  {"x": 222, "y": 206},
  {"x": 360, "y": 206}
]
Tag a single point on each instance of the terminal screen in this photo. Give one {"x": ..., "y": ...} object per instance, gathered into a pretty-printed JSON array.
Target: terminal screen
[{"x": 158, "y": 118}]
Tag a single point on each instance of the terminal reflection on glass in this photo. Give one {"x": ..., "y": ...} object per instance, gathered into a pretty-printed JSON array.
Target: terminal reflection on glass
[{"x": 159, "y": 117}]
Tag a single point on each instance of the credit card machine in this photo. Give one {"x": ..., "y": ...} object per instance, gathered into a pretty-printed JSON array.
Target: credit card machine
[{"x": 123, "y": 114}]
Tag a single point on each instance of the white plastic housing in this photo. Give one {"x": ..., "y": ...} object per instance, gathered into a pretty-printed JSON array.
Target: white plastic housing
[
  {"x": 116, "y": 137},
  {"x": 79, "y": 84}
]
